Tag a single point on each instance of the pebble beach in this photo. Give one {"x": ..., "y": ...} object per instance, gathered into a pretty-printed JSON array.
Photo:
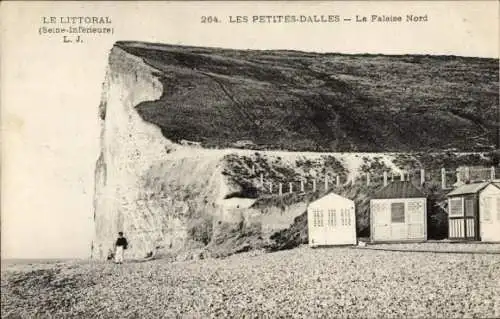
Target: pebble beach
[{"x": 338, "y": 282}]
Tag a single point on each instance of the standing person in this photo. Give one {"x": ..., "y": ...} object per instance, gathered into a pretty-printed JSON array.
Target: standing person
[{"x": 120, "y": 245}]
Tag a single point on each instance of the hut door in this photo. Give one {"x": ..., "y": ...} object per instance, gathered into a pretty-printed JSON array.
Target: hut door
[
  {"x": 462, "y": 216},
  {"x": 330, "y": 227},
  {"x": 456, "y": 219},
  {"x": 415, "y": 220},
  {"x": 381, "y": 222},
  {"x": 469, "y": 220}
]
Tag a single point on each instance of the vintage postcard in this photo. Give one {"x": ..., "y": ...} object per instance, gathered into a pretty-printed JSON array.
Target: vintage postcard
[{"x": 183, "y": 159}]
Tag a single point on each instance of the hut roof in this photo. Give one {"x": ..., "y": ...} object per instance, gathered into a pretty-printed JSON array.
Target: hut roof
[
  {"x": 471, "y": 188},
  {"x": 399, "y": 189}
]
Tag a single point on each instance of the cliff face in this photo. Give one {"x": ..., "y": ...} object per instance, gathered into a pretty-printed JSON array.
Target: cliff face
[
  {"x": 170, "y": 198},
  {"x": 141, "y": 187}
]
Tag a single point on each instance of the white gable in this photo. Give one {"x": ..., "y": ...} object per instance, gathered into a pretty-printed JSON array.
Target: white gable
[
  {"x": 491, "y": 190},
  {"x": 331, "y": 200}
]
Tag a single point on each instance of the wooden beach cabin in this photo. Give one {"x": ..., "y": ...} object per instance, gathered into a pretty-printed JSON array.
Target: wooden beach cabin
[
  {"x": 331, "y": 221},
  {"x": 398, "y": 213},
  {"x": 474, "y": 212}
]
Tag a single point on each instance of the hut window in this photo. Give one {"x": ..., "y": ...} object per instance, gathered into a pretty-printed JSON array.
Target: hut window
[
  {"x": 345, "y": 217},
  {"x": 469, "y": 207},
  {"x": 332, "y": 219},
  {"x": 456, "y": 208},
  {"x": 397, "y": 212},
  {"x": 317, "y": 218}
]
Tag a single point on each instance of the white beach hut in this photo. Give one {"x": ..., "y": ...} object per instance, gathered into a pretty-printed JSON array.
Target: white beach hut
[
  {"x": 331, "y": 221},
  {"x": 398, "y": 213}
]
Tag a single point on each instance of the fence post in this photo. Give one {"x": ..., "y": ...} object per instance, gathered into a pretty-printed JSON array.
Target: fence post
[
  {"x": 290, "y": 187},
  {"x": 367, "y": 179},
  {"x": 492, "y": 173},
  {"x": 385, "y": 178},
  {"x": 314, "y": 185},
  {"x": 459, "y": 182},
  {"x": 280, "y": 189},
  {"x": 302, "y": 186},
  {"x": 392, "y": 177},
  {"x": 467, "y": 175},
  {"x": 443, "y": 178},
  {"x": 326, "y": 183},
  {"x": 402, "y": 174},
  {"x": 422, "y": 177},
  {"x": 270, "y": 187},
  {"x": 337, "y": 180}
]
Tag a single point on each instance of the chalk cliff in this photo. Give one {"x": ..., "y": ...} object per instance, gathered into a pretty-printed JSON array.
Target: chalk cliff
[
  {"x": 170, "y": 115},
  {"x": 146, "y": 185}
]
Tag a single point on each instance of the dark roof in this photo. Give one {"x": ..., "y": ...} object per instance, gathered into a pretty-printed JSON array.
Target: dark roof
[
  {"x": 399, "y": 189},
  {"x": 468, "y": 189},
  {"x": 471, "y": 188}
]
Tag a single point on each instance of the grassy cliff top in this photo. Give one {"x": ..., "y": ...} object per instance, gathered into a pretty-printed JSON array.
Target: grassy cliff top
[{"x": 302, "y": 101}]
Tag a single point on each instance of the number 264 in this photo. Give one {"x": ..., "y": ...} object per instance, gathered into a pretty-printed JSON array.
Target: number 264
[{"x": 209, "y": 19}]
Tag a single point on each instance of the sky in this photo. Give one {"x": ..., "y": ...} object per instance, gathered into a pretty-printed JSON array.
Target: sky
[{"x": 50, "y": 90}]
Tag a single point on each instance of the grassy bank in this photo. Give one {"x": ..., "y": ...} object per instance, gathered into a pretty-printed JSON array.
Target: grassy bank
[{"x": 306, "y": 101}]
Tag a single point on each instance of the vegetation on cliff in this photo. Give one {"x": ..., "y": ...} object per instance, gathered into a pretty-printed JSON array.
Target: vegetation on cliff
[{"x": 302, "y": 101}]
